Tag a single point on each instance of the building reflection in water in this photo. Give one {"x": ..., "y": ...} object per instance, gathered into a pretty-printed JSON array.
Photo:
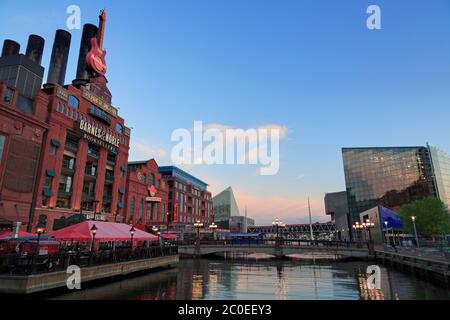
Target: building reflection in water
[{"x": 262, "y": 280}]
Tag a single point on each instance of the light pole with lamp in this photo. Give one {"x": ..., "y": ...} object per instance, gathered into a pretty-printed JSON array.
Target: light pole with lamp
[
  {"x": 368, "y": 225},
  {"x": 40, "y": 229},
  {"x": 132, "y": 232},
  {"x": 213, "y": 227},
  {"x": 94, "y": 233},
  {"x": 278, "y": 224},
  {"x": 385, "y": 232},
  {"x": 167, "y": 216},
  {"x": 358, "y": 227},
  {"x": 413, "y": 218},
  {"x": 198, "y": 225}
]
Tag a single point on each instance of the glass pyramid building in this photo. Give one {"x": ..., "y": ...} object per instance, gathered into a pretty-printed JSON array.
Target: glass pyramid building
[{"x": 225, "y": 205}]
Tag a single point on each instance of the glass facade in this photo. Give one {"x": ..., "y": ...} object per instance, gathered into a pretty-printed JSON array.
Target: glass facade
[
  {"x": 390, "y": 177},
  {"x": 441, "y": 167}
]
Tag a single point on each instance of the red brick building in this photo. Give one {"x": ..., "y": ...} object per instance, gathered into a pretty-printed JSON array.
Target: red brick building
[
  {"x": 22, "y": 136},
  {"x": 189, "y": 199},
  {"x": 85, "y": 156},
  {"x": 64, "y": 148},
  {"x": 146, "y": 196}
]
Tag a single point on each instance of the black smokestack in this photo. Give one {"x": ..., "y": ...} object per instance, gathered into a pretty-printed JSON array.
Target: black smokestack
[
  {"x": 60, "y": 55},
  {"x": 89, "y": 31},
  {"x": 35, "y": 48},
  {"x": 10, "y": 48}
]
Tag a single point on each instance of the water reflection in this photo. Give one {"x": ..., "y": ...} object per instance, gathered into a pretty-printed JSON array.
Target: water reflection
[{"x": 257, "y": 280}]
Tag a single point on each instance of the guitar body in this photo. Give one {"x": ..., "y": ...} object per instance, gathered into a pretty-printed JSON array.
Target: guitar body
[{"x": 95, "y": 58}]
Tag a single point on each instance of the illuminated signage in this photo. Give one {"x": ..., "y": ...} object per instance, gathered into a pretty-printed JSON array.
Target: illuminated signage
[
  {"x": 153, "y": 199},
  {"x": 95, "y": 216},
  {"x": 98, "y": 136},
  {"x": 99, "y": 102}
]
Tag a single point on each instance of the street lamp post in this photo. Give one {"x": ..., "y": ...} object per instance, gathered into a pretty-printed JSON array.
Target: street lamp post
[
  {"x": 385, "y": 232},
  {"x": 198, "y": 225},
  {"x": 167, "y": 216},
  {"x": 358, "y": 227},
  {"x": 413, "y": 218},
  {"x": 132, "y": 232},
  {"x": 40, "y": 229},
  {"x": 278, "y": 224},
  {"x": 368, "y": 225},
  {"x": 94, "y": 233},
  {"x": 213, "y": 227}
]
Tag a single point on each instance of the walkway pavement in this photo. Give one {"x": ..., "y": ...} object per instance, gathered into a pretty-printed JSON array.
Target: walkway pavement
[{"x": 425, "y": 253}]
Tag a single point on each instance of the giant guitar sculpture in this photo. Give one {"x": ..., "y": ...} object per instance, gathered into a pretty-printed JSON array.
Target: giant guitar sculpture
[{"x": 95, "y": 58}]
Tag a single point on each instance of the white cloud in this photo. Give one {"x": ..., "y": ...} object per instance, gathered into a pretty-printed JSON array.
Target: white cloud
[{"x": 144, "y": 150}]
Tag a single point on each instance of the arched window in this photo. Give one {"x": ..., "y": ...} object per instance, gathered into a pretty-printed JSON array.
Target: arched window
[
  {"x": 141, "y": 210},
  {"x": 132, "y": 204},
  {"x": 74, "y": 102},
  {"x": 119, "y": 128},
  {"x": 151, "y": 179}
]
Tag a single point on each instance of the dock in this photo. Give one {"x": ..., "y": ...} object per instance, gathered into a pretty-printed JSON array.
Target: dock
[
  {"x": 432, "y": 269},
  {"x": 26, "y": 284}
]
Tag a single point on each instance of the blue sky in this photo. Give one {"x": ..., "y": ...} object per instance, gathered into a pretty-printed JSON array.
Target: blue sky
[{"x": 310, "y": 66}]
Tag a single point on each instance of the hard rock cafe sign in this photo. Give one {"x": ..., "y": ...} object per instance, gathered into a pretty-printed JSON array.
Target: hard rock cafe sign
[
  {"x": 152, "y": 193},
  {"x": 95, "y": 58}
]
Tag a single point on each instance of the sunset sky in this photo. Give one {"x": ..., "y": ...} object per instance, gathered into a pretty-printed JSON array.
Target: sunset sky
[{"x": 310, "y": 68}]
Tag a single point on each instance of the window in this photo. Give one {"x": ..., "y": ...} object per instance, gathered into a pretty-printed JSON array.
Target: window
[
  {"x": 68, "y": 163},
  {"x": 119, "y": 128},
  {"x": 91, "y": 170},
  {"x": 48, "y": 182},
  {"x": 2, "y": 146},
  {"x": 151, "y": 179},
  {"x": 65, "y": 184},
  {"x": 8, "y": 97},
  {"x": 74, "y": 102},
  {"x": 141, "y": 210},
  {"x": 132, "y": 203},
  {"x": 53, "y": 151}
]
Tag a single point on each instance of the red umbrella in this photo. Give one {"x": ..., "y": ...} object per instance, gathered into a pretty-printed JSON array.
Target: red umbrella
[
  {"x": 21, "y": 234},
  {"x": 169, "y": 236}
]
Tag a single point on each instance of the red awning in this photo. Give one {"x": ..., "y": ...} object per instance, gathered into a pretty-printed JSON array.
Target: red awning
[
  {"x": 21, "y": 234},
  {"x": 169, "y": 236},
  {"x": 106, "y": 231}
]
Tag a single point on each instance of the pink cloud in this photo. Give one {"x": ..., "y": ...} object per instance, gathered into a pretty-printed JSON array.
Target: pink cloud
[{"x": 290, "y": 210}]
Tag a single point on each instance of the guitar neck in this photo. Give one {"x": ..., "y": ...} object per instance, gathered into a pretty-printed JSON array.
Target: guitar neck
[{"x": 101, "y": 28}]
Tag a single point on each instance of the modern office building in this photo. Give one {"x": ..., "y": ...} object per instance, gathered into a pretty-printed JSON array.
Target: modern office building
[
  {"x": 336, "y": 206},
  {"x": 65, "y": 147},
  {"x": 188, "y": 200},
  {"x": 225, "y": 205},
  {"x": 227, "y": 214},
  {"x": 441, "y": 169},
  {"x": 393, "y": 176},
  {"x": 146, "y": 196}
]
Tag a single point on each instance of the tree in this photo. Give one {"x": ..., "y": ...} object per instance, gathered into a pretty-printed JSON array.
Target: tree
[{"x": 432, "y": 217}]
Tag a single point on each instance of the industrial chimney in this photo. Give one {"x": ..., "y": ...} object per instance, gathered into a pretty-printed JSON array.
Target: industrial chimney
[
  {"x": 60, "y": 55},
  {"x": 35, "y": 48},
  {"x": 89, "y": 31},
  {"x": 10, "y": 48}
]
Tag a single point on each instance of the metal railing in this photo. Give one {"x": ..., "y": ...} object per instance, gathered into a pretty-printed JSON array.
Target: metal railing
[
  {"x": 36, "y": 264},
  {"x": 282, "y": 242}
]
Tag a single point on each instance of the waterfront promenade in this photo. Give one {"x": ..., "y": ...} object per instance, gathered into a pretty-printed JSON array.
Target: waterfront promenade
[
  {"x": 24, "y": 275},
  {"x": 430, "y": 263}
]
